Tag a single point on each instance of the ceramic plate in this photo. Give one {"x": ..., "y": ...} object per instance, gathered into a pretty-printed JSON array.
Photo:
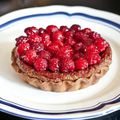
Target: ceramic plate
[{"x": 20, "y": 99}]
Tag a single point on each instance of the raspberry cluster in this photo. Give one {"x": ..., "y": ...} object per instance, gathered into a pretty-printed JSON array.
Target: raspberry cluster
[{"x": 60, "y": 49}]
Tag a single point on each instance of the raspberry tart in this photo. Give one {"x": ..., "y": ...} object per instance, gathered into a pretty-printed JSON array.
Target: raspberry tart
[{"x": 61, "y": 59}]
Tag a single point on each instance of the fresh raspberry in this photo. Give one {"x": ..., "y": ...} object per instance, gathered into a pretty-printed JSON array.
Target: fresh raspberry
[
  {"x": 57, "y": 36},
  {"x": 92, "y": 55},
  {"x": 31, "y": 30},
  {"x": 46, "y": 39},
  {"x": 51, "y": 29},
  {"x": 93, "y": 58},
  {"x": 91, "y": 49},
  {"x": 37, "y": 47},
  {"x": 81, "y": 64},
  {"x": 68, "y": 34},
  {"x": 59, "y": 43},
  {"x": 101, "y": 44},
  {"x": 63, "y": 29},
  {"x": 34, "y": 38},
  {"x": 67, "y": 65},
  {"x": 29, "y": 56},
  {"x": 88, "y": 41},
  {"x": 77, "y": 55},
  {"x": 22, "y": 48},
  {"x": 65, "y": 52},
  {"x": 53, "y": 48},
  {"x": 78, "y": 46},
  {"x": 21, "y": 39},
  {"x": 84, "y": 38},
  {"x": 86, "y": 30},
  {"x": 94, "y": 35},
  {"x": 44, "y": 54},
  {"x": 40, "y": 64},
  {"x": 79, "y": 36},
  {"x": 41, "y": 31},
  {"x": 54, "y": 64},
  {"x": 69, "y": 38},
  {"x": 75, "y": 28},
  {"x": 69, "y": 41}
]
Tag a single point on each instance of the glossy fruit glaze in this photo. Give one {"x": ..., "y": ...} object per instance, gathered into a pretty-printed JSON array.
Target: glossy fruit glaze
[{"x": 60, "y": 49}]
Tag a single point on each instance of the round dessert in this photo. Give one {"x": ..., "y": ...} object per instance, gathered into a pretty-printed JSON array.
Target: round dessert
[{"x": 61, "y": 59}]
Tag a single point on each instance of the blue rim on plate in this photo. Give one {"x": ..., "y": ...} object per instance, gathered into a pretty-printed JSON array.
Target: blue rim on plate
[
  {"x": 62, "y": 13},
  {"x": 98, "y": 106}
]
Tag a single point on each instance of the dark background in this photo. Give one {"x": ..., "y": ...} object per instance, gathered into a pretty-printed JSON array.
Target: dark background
[{"x": 107, "y": 5}]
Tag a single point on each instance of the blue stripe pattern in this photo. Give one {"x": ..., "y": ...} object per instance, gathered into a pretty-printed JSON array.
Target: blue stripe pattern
[
  {"x": 97, "y": 107},
  {"x": 117, "y": 25}
]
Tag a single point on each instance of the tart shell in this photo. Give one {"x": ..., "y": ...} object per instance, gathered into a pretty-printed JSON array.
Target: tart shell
[{"x": 61, "y": 82}]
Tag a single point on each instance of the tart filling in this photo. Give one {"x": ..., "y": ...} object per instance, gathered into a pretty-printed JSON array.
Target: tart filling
[{"x": 61, "y": 59}]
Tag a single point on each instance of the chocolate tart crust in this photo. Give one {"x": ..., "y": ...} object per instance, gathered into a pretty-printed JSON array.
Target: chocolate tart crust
[{"x": 61, "y": 82}]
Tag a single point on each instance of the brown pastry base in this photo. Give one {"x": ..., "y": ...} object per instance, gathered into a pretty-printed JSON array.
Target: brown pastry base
[{"x": 60, "y": 82}]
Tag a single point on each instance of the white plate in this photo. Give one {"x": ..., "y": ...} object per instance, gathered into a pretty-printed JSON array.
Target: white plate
[{"x": 18, "y": 98}]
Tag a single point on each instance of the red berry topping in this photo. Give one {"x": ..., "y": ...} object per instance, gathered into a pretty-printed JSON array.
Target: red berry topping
[
  {"x": 67, "y": 65},
  {"x": 94, "y": 35},
  {"x": 40, "y": 64},
  {"x": 101, "y": 44},
  {"x": 92, "y": 55},
  {"x": 86, "y": 30},
  {"x": 77, "y": 55},
  {"x": 54, "y": 64},
  {"x": 63, "y": 29},
  {"x": 59, "y": 43},
  {"x": 93, "y": 58},
  {"x": 29, "y": 56},
  {"x": 34, "y": 38},
  {"x": 64, "y": 49},
  {"x": 65, "y": 52},
  {"x": 57, "y": 36},
  {"x": 78, "y": 46},
  {"x": 75, "y": 28},
  {"x": 68, "y": 34},
  {"x": 81, "y": 64},
  {"x": 22, "y": 48},
  {"x": 84, "y": 38},
  {"x": 69, "y": 41},
  {"x": 21, "y": 39},
  {"x": 44, "y": 54},
  {"x": 91, "y": 49},
  {"x": 45, "y": 39},
  {"x": 51, "y": 28},
  {"x": 53, "y": 48},
  {"x": 37, "y": 47},
  {"x": 41, "y": 31},
  {"x": 31, "y": 30},
  {"x": 79, "y": 36}
]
